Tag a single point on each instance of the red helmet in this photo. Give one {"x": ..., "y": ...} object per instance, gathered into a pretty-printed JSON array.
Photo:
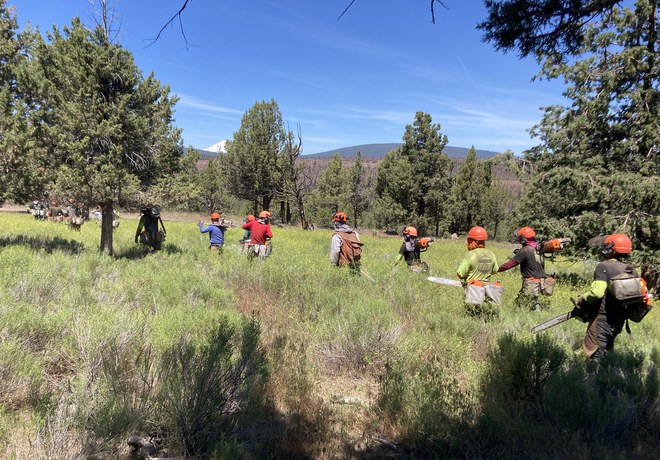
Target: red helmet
[
  {"x": 250, "y": 217},
  {"x": 477, "y": 234},
  {"x": 526, "y": 232},
  {"x": 340, "y": 217},
  {"x": 618, "y": 243},
  {"x": 215, "y": 216},
  {"x": 411, "y": 231},
  {"x": 264, "y": 215}
]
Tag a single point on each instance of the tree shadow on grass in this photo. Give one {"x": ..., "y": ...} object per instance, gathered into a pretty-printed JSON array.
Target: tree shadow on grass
[
  {"x": 142, "y": 251},
  {"x": 47, "y": 244}
]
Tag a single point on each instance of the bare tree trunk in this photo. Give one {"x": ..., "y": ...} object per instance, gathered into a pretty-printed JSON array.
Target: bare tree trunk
[
  {"x": 301, "y": 210},
  {"x": 283, "y": 211},
  {"x": 288, "y": 212},
  {"x": 106, "y": 227}
]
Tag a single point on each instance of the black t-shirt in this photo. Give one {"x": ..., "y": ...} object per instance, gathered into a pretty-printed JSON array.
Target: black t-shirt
[
  {"x": 530, "y": 261},
  {"x": 410, "y": 253}
]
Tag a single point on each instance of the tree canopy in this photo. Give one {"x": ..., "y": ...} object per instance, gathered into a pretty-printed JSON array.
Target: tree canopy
[{"x": 595, "y": 169}]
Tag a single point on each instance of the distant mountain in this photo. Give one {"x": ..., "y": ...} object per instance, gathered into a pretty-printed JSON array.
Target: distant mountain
[
  {"x": 375, "y": 151},
  {"x": 217, "y": 147},
  {"x": 379, "y": 151}
]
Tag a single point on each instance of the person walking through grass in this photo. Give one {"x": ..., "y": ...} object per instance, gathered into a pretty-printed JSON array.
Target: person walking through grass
[
  {"x": 410, "y": 251},
  {"x": 475, "y": 271},
  {"x": 532, "y": 268},
  {"x": 260, "y": 235},
  {"x": 345, "y": 246},
  {"x": 216, "y": 232},
  {"x": 616, "y": 294}
]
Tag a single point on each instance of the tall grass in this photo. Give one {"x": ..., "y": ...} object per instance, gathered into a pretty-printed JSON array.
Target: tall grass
[{"x": 96, "y": 348}]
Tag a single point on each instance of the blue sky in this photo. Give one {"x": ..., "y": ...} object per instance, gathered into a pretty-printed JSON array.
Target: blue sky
[{"x": 358, "y": 80}]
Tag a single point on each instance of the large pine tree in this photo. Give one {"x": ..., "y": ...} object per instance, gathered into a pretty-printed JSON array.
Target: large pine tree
[
  {"x": 102, "y": 129},
  {"x": 413, "y": 182},
  {"x": 596, "y": 168}
]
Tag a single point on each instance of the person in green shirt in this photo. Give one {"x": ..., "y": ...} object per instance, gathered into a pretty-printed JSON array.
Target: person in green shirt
[
  {"x": 475, "y": 270},
  {"x": 599, "y": 305}
]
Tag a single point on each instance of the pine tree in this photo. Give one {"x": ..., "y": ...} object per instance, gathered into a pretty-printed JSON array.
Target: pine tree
[
  {"x": 105, "y": 130},
  {"x": 19, "y": 173},
  {"x": 596, "y": 169},
  {"x": 253, "y": 155},
  {"x": 332, "y": 192},
  {"x": 413, "y": 182}
]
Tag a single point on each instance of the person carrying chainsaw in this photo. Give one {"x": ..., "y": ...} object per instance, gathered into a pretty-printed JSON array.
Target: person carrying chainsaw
[
  {"x": 260, "y": 234},
  {"x": 532, "y": 268},
  {"x": 216, "y": 232},
  {"x": 411, "y": 250},
  {"x": 616, "y": 295},
  {"x": 475, "y": 271},
  {"x": 345, "y": 246}
]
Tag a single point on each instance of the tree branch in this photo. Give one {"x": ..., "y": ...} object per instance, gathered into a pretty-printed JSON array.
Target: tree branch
[{"x": 170, "y": 22}]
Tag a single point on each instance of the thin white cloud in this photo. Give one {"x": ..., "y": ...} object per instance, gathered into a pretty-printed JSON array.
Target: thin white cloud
[{"x": 195, "y": 103}]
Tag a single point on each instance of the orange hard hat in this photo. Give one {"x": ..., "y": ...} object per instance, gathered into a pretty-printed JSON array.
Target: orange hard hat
[
  {"x": 619, "y": 243},
  {"x": 250, "y": 217},
  {"x": 264, "y": 215},
  {"x": 215, "y": 216},
  {"x": 411, "y": 231},
  {"x": 526, "y": 232},
  {"x": 477, "y": 234},
  {"x": 340, "y": 217}
]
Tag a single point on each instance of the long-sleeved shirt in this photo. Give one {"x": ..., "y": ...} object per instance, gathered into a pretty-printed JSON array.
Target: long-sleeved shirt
[
  {"x": 531, "y": 263},
  {"x": 336, "y": 242},
  {"x": 259, "y": 231},
  {"x": 216, "y": 233}
]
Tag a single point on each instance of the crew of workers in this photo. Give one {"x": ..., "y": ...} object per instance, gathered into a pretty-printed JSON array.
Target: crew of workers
[
  {"x": 599, "y": 306},
  {"x": 616, "y": 294}
]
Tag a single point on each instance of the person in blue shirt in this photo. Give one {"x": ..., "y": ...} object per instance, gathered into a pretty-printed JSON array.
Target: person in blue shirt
[{"x": 216, "y": 232}]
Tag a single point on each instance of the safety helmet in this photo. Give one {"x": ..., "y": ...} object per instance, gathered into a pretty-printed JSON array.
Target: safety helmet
[
  {"x": 340, "y": 217},
  {"x": 618, "y": 243},
  {"x": 215, "y": 216},
  {"x": 264, "y": 215},
  {"x": 250, "y": 217},
  {"x": 526, "y": 232},
  {"x": 410, "y": 231},
  {"x": 477, "y": 234}
]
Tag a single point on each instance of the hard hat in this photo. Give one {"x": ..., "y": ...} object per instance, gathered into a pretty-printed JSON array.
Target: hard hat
[
  {"x": 619, "y": 243},
  {"x": 215, "y": 216},
  {"x": 340, "y": 217},
  {"x": 477, "y": 234},
  {"x": 526, "y": 232},
  {"x": 410, "y": 231},
  {"x": 250, "y": 217},
  {"x": 264, "y": 215}
]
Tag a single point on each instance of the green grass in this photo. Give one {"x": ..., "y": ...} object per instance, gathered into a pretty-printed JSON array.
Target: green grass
[{"x": 84, "y": 335}]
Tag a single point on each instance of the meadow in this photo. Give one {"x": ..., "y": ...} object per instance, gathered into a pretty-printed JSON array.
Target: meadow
[{"x": 208, "y": 355}]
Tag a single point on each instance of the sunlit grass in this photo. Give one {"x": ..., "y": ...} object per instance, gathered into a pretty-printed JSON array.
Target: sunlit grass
[{"x": 63, "y": 305}]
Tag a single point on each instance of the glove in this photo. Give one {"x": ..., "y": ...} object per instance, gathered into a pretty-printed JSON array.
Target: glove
[{"x": 581, "y": 310}]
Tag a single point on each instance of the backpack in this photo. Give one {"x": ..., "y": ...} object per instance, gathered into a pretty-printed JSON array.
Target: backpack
[
  {"x": 630, "y": 291},
  {"x": 351, "y": 250}
]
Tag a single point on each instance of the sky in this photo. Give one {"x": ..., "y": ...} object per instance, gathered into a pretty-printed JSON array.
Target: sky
[{"x": 356, "y": 80}]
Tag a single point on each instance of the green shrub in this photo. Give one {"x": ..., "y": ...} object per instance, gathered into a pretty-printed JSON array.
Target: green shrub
[{"x": 204, "y": 387}]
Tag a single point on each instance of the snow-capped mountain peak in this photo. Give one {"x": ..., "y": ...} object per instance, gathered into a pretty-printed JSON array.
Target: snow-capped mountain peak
[{"x": 217, "y": 148}]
